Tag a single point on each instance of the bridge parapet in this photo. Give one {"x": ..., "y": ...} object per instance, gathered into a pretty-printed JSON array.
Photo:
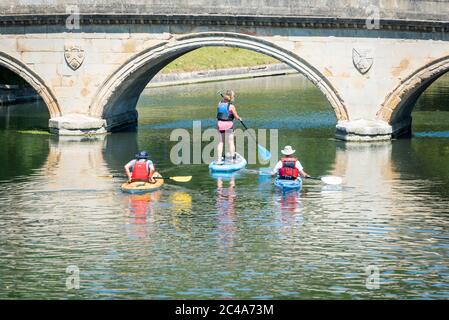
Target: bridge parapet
[
  {"x": 430, "y": 10},
  {"x": 249, "y": 21}
]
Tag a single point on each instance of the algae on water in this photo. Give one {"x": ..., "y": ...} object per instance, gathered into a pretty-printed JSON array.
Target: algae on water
[{"x": 34, "y": 132}]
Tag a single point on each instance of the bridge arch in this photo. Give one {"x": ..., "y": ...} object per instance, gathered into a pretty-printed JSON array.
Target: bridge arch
[
  {"x": 399, "y": 103},
  {"x": 33, "y": 80},
  {"x": 117, "y": 97}
]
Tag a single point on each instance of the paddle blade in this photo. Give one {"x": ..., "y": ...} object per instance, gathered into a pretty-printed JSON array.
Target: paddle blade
[
  {"x": 181, "y": 178},
  {"x": 332, "y": 180},
  {"x": 264, "y": 154},
  {"x": 264, "y": 171}
]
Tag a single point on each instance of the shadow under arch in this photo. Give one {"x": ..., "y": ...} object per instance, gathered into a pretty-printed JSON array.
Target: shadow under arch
[
  {"x": 34, "y": 81},
  {"x": 117, "y": 97},
  {"x": 399, "y": 103},
  {"x": 119, "y": 149}
]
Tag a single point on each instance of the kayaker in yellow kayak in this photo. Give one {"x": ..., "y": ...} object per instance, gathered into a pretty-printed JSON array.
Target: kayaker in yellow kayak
[
  {"x": 289, "y": 167},
  {"x": 140, "y": 169},
  {"x": 226, "y": 113}
]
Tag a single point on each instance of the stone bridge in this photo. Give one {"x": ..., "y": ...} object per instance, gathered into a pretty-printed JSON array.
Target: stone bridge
[{"x": 90, "y": 60}]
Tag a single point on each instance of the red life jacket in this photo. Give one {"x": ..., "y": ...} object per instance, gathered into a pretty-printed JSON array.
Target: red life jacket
[
  {"x": 288, "y": 171},
  {"x": 140, "y": 171}
]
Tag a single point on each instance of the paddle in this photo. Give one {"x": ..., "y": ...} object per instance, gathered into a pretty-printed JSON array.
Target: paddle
[
  {"x": 175, "y": 178},
  {"x": 264, "y": 153},
  {"x": 261, "y": 171},
  {"x": 334, "y": 180},
  {"x": 328, "y": 179}
]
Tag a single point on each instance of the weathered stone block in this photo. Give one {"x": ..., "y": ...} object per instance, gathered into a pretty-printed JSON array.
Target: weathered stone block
[
  {"x": 76, "y": 124},
  {"x": 106, "y": 45},
  {"x": 100, "y": 69},
  {"x": 64, "y": 70},
  {"x": 8, "y": 44},
  {"x": 363, "y": 130},
  {"x": 40, "y": 45},
  {"x": 42, "y": 57},
  {"x": 116, "y": 58},
  {"x": 68, "y": 81}
]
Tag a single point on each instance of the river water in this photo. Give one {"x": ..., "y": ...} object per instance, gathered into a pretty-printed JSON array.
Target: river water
[{"x": 227, "y": 237}]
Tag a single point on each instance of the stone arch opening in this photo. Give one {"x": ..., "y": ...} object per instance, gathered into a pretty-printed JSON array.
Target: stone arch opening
[
  {"x": 399, "y": 103},
  {"x": 33, "y": 80},
  {"x": 116, "y": 99}
]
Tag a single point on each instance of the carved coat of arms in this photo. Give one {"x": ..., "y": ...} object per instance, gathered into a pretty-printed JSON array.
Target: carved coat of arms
[
  {"x": 74, "y": 56},
  {"x": 362, "y": 59}
]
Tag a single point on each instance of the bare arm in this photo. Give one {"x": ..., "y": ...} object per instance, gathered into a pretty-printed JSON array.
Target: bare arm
[
  {"x": 152, "y": 170},
  {"x": 276, "y": 168},
  {"x": 128, "y": 172},
  {"x": 234, "y": 112},
  {"x": 304, "y": 174}
]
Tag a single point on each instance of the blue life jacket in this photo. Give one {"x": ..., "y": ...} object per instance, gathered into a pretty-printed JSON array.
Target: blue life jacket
[{"x": 223, "y": 113}]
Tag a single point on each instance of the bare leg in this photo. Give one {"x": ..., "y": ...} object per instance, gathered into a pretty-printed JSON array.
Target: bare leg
[
  {"x": 220, "y": 146},
  {"x": 231, "y": 144}
]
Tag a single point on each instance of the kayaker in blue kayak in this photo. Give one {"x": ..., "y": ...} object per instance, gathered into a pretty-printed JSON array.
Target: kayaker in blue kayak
[
  {"x": 140, "y": 169},
  {"x": 289, "y": 167},
  {"x": 226, "y": 113}
]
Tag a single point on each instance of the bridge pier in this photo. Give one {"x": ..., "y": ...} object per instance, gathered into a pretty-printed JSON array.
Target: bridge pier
[
  {"x": 80, "y": 124},
  {"x": 76, "y": 125},
  {"x": 363, "y": 130},
  {"x": 372, "y": 130}
]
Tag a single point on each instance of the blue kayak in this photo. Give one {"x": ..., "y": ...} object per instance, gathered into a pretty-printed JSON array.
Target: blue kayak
[
  {"x": 288, "y": 185},
  {"x": 228, "y": 165}
]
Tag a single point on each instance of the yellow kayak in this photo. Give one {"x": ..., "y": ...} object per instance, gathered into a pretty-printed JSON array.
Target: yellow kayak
[{"x": 143, "y": 187}]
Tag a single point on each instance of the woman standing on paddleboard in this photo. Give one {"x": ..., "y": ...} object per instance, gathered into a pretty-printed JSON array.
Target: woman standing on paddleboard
[{"x": 226, "y": 113}]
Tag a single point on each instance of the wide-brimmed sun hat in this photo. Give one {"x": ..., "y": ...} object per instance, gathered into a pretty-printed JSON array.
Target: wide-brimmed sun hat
[
  {"x": 142, "y": 155},
  {"x": 288, "y": 150}
]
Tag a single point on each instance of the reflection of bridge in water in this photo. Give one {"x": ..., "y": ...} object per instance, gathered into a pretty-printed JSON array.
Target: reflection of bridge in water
[{"x": 77, "y": 162}]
